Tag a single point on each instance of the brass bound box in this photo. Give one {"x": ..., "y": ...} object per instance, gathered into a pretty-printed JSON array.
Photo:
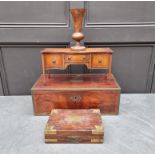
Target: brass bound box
[{"x": 74, "y": 126}]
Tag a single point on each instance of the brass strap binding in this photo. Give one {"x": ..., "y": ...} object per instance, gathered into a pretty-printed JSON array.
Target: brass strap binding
[
  {"x": 50, "y": 130},
  {"x": 96, "y": 140},
  {"x": 73, "y": 139},
  {"x": 98, "y": 130},
  {"x": 51, "y": 140}
]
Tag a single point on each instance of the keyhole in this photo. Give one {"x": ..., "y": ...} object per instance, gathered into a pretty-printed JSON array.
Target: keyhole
[
  {"x": 75, "y": 98},
  {"x": 75, "y": 101}
]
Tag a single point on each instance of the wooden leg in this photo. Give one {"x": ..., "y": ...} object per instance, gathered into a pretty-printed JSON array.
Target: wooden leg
[
  {"x": 69, "y": 69},
  {"x": 85, "y": 68},
  {"x": 48, "y": 74},
  {"x": 110, "y": 66},
  {"x": 43, "y": 64}
]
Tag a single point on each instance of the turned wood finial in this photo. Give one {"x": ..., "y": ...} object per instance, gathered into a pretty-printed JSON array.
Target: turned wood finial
[{"x": 77, "y": 15}]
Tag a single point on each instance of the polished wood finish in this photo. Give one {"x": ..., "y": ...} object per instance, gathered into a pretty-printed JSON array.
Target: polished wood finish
[
  {"x": 77, "y": 15},
  {"x": 61, "y": 58},
  {"x": 53, "y": 61},
  {"x": 74, "y": 126},
  {"x": 100, "y": 60},
  {"x": 70, "y": 51},
  {"x": 77, "y": 57},
  {"x": 72, "y": 91}
]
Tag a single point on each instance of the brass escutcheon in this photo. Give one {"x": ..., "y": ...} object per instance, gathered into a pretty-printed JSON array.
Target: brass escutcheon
[{"x": 75, "y": 98}]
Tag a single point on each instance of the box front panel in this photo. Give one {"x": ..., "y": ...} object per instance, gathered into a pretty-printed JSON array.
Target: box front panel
[
  {"x": 106, "y": 100},
  {"x": 76, "y": 137}
]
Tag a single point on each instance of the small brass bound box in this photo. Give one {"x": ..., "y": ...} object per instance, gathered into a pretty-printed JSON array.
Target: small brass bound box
[{"x": 74, "y": 126}]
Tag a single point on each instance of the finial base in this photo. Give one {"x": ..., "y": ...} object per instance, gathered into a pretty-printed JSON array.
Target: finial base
[{"x": 78, "y": 47}]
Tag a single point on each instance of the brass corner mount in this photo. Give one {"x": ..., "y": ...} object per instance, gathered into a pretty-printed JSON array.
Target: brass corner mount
[{"x": 78, "y": 14}]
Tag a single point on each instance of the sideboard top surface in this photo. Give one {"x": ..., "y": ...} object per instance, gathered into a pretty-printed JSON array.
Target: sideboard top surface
[{"x": 70, "y": 51}]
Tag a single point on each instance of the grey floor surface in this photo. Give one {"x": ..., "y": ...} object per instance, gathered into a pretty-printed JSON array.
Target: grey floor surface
[{"x": 132, "y": 131}]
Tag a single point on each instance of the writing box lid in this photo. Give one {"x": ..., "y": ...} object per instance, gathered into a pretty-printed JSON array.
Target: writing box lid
[{"x": 75, "y": 82}]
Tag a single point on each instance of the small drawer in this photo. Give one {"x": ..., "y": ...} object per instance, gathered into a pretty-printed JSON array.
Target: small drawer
[
  {"x": 77, "y": 57},
  {"x": 53, "y": 60},
  {"x": 100, "y": 60}
]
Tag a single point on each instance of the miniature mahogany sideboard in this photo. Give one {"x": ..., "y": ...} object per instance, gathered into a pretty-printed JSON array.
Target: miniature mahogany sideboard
[{"x": 60, "y": 58}]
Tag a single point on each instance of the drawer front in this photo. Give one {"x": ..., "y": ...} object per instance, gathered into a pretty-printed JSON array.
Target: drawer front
[
  {"x": 53, "y": 60},
  {"x": 100, "y": 60},
  {"x": 45, "y": 101},
  {"x": 77, "y": 57}
]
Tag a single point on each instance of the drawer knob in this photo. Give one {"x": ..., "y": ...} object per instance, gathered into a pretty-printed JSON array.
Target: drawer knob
[
  {"x": 100, "y": 61},
  {"x": 84, "y": 58},
  {"x": 75, "y": 98},
  {"x": 53, "y": 61},
  {"x": 69, "y": 58}
]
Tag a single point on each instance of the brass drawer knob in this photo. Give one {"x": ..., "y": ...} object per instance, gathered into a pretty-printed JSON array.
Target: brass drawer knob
[
  {"x": 53, "y": 61},
  {"x": 69, "y": 58},
  {"x": 100, "y": 61},
  {"x": 84, "y": 58}
]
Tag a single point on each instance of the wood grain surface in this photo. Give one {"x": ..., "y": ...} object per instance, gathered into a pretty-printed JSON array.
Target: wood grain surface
[{"x": 75, "y": 92}]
